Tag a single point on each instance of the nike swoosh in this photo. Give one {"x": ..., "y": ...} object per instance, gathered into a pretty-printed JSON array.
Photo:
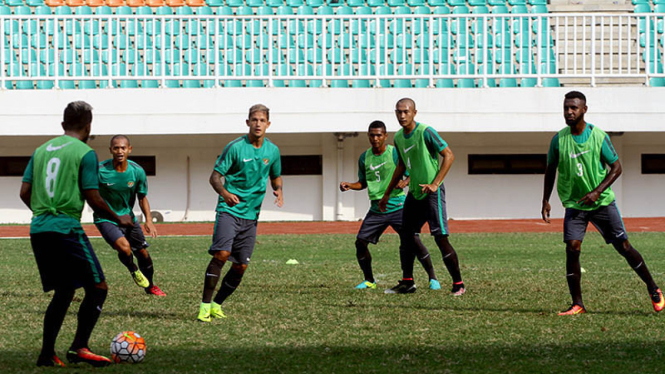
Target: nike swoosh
[
  {"x": 247, "y": 159},
  {"x": 576, "y": 155},
  {"x": 51, "y": 148},
  {"x": 408, "y": 149},
  {"x": 377, "y": 166},
  {"x": 110, "y": 184}
]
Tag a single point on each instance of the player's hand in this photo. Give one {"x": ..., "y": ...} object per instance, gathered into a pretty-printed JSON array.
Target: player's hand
[
  {"x": 125, "y": 220},
  {"x": 231, "y": 199},
  {"x": 150, "y": 228},
  {"x": 383, "y": 204},
  {"x": 344, "y": 186},
  {"x": 402, "y": 184},
  {"x": 428, "y": 188},
  {"x": 279, "y": 201},
  {"x": 545, "y": 211},
  {"x": 590, "y": 198}
]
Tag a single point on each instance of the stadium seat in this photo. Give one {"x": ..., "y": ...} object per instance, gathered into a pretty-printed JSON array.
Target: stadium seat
[
  {"x": 115, "y": 3},
  {"x": 175, "y": 3},
  {"x": 314, "y": 3},
  {"x": 155, "y": 3},
  {"x": 295, "y": 3},
  {"x": 275, "y": 3},
  {"x": 95, "y": 3},
  {"x": 215, "y": 3},
  {"x": 54, "y": 3},
  {"x": 75, "y": 3},
  {"x": 195, "y": 3},
  {"x": 436, "y": 3},
  {"x": 234, "y": 3},
  {"x": 34, "y": 3}
]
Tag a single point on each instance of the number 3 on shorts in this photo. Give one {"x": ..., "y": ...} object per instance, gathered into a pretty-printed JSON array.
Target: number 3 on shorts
[{"x": 52, "y": 168}]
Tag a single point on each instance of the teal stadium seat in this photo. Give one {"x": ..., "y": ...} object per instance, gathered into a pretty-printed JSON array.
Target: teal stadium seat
[
  {"x": 314, "y": 4},
  {"x": 234, "y": 3},
  {"x": 446, "y": 69},
  {"x": 507, "y": 68}
]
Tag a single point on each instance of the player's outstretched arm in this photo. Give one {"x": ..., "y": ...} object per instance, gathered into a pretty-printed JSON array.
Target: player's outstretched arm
[
  {"x": 97, "y": 203},
  {"x": 397, "y": 177},
  {"x": 26, "y": 194},
  {"x": 276, "y": 184},
  {"x": 548, "y": 186},
  {"x": 448, "y": 158},
  {"x": 356, "y": 186},
  {"x": 612, "y": 175},
  {"x": 145, "y": 208},
  {"x": 218, "y": 186}
]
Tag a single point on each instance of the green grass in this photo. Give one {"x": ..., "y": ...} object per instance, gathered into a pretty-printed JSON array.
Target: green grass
[{"x": 308, "y": 318}]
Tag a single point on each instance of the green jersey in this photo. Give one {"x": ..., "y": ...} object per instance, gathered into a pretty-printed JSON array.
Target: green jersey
[
  {"x": 419, "y": 151},
  {"x": 582, "y": 167},
  {"x": 376, "y": 171},
  {"x": 58, "y": 171},
  {"x": 119, "y": 190},
  {"x": 245, "y": 170}
]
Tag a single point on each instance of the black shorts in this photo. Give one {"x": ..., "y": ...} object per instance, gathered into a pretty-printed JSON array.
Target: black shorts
[
  {"x": 66, "y": 260},
  {"x": 235, "y": 235},
  {"x": 431, "y": 209},
  {"x": 375, "y": 224},
  {"x": 112, "y": 232},
  {"x": 606, "y": 219}
]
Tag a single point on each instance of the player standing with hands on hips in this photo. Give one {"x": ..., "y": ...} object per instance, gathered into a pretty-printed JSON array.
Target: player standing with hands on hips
[
  {"x": 581, "y": 153},
  {"x": 375, "y": 168},
  {"x": 245, "y": 164},
  {"x": 61, "y": 175},
  {"x": 419, "y": 147}
]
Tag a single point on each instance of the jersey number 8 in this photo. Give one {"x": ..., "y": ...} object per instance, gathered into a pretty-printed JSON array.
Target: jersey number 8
[{"x": 52, "y": 168}]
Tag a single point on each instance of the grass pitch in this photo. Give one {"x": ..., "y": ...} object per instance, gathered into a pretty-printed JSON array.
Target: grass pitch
[{"x": 307, "y": 318}]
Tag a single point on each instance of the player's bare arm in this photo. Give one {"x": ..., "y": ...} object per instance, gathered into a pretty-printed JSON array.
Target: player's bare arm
[
  {"x": 217, "y": 185},
  {"x": 548, "y": 186},
  {"x": 97, "y": 203},
  {"x": 612, "y": 175},
  {"x": 145, "y": 208},
  {"x": 397, "y": 177},
  {"x": 448, "y": 158},
  {"x": 26, "y": 194},
  {"x": 276, "y": 185},
  {"x": 356, "y": 186}
]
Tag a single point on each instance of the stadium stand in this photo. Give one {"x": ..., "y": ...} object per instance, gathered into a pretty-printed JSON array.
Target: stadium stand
[{"x": 352, "y": 43}]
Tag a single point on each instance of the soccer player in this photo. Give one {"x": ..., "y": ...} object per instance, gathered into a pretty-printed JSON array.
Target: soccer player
[
  {"x": 60, "y": 176},
  {"x": 375, "y": 168},
  {"x": 582, "y": 152},
  {"x": 419, "y": 147},
  {"x": 245, "y": 164},
  {"x": 121, "y": 181}
]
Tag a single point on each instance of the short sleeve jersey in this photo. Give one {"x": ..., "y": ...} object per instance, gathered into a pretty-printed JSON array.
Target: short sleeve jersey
[
  {"x": 375, "y": 171},
  {"x": 582, "y": 161},
  {"x": 246, "y": 170},
  {"x": 419, "y": 151},
  {"x": 59, "y": 171},
  {"x": 120, "y": 190}
]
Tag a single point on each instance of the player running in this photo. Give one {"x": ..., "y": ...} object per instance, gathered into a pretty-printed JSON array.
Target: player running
[
  {"x": 121, "y": 181},
  {"x": 419, "y": 147},
  {"x": 375, "y": 167},
  {"x": 61, "y": 174},
  {"x": 581, "y": 153},
  {"x": 246, "y": 163}
]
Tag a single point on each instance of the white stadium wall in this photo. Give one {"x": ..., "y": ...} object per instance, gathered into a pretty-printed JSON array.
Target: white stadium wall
[{"x": 174, "y": 125}]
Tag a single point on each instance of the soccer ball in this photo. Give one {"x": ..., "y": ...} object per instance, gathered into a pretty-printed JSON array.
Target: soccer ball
[{"x": 128, "y": 346}]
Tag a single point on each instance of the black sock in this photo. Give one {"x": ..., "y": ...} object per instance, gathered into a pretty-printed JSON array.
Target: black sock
[
  {"x": 424, "y": 257},
  {"x": 364, "y": 259},
  {"x": 53, "y": 318},
  {"x": 229, "y": 284},
  {"x": 407, "y": 256},
  {"x": 635, "y": 260},
  {"x": 145, "y": 265},
  {"x": 449, "y": 257},
  {"x": 213, "y": 273},
  {"x": 89, "y": 311},
  {"x": 128, "y": 261},
  {"x": 574, "y": 275}
]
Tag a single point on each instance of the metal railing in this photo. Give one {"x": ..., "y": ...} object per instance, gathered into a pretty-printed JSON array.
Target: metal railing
[{"x": 484, "y": 50}]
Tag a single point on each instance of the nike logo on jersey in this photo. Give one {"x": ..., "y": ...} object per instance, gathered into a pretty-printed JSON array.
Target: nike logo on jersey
[
  {"x": 377, "y": 166},
  {"x": 408, "y": 149},
  {"x": 110, "y": 184},
  {"x": 576, "y": 155},
  {"x": 51, "y": 148},
  {"x": 247, "y": 159}
]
